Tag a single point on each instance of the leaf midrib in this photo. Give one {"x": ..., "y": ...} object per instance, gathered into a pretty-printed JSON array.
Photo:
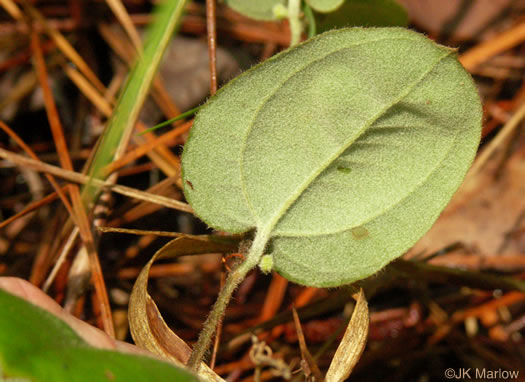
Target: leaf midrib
[
  {"x": 272, "y": 222},
  {"x": 264, "y": 100},
  {"x": 383, "y": 211}
]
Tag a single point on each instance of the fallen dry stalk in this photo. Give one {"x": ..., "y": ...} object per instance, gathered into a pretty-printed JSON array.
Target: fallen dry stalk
[{"x": 84, "y": 179}]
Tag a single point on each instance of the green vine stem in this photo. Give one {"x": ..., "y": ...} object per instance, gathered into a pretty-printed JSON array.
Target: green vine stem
[
  {"x": 310, "y": 18},
  {"x": 296, "y": 27},
  {"x": 232, "y": 282}
]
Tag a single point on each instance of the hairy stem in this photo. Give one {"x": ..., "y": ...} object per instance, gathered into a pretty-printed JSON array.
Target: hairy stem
[
  {"x": 232, "y": 282},
  {"x": 296, "y": 27}
]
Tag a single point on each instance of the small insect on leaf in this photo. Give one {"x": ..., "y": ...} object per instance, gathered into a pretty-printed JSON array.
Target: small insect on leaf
[
  {"x": 344, "y": 170},
  {"x": 359, "y": 233}
]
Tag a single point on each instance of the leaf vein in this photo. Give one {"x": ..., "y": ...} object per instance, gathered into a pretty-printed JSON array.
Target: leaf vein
[
  {"x": 299, "y": 191},
  {"x": 264, "y": 100}
]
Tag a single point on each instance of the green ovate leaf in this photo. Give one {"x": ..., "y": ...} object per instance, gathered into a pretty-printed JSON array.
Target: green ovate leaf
[
  {"x": 256, "y": 9},
  {"x": 38, "y": 346},
  {"x": 325, "y": 6},
  {"x": 369, "y": 13},
  {"x": 341, "y": 151}
]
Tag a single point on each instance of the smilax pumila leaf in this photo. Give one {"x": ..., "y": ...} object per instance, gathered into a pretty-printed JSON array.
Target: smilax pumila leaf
[
  {"x": 325, "y": 5},
  {"x": 340, "y": 152},
  {"x": 259, "y": 9}
]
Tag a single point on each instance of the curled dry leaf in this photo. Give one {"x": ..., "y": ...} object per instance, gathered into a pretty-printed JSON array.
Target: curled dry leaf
[
  {"x": 148, "y": 328},
  {"x": 307, "y": 358},
  {"x": 353, "y": 343},
  {"x": 466, "y": 19},
  {"x": 486, "y": 216}
]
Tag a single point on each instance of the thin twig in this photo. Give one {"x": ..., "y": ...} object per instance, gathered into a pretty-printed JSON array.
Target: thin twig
[
  {"x": 29, "y": 208},
  {"x": 84, "y": 179},
  {"x": 147, "y": 147},
  {"x": 32, "y": 154},
  {"x": 51, "y": 108},
  {"x": 88, "y": 90},
  {"x": 503, "y": 136},
  {"x": 123, "y": 17},
  {"x": 140, "y": 232},
  {"x": 64, "y": 45},
  {"x": 78, "y": 206},
  {"x": 212, "y": 43},
  {"x": 61, "y": 258},
  {"x": 212, "y": 46},
  {"x": 12, "y": 9},
  {"x": 500, "y": 43},
  {"x": 305, "y": 353}
]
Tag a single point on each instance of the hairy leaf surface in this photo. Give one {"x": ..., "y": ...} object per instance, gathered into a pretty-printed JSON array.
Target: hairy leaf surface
[{"x": 342, "y": 151}]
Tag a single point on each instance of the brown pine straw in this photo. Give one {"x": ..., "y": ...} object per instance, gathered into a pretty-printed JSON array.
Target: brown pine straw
[
  {"x": 32, "y": 154},
  {"x": 212, "y": 43},
  {"x": 212, "y": 53},
  {"x": 498, "y": 44},
  {"x": 84, "y": 179},
  {"x": 30, "y": 208},
  {"x": 148, "y": 146},
  {"x": 65, "y": 47},
  {"x": 78, "y": 205}
]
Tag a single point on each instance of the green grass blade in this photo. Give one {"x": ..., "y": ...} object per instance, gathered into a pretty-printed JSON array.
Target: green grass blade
[
  {"x": 186, "y": 114},
  {"x": 167, "y": 15}
]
